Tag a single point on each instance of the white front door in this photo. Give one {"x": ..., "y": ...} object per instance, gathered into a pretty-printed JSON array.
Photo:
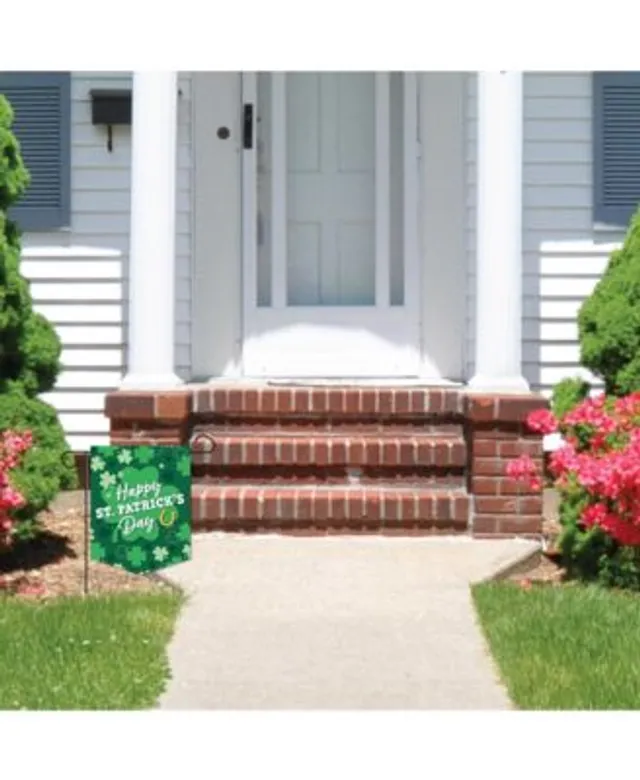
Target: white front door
[{"x": 330, "y": 225}]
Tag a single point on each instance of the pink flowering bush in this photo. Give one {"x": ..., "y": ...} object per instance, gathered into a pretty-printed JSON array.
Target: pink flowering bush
[
  {"x": 12, "y": 447},
  {"x": 597, "y": 472}
]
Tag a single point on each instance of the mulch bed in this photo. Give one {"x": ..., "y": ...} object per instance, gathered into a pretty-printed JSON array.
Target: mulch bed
[{"x": 53, "y": 564}]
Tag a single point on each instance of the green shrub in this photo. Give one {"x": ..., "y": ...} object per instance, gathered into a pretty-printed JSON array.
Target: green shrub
[
  {"x": 29, "y": 346},
  {"x": 29, "y": 352},
  {"x": 567, "y": 394},
  {"x": 609, "y": 319}
]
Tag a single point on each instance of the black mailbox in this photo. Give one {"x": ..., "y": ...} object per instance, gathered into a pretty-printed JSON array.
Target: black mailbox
[{"x": 110, "y": 107}]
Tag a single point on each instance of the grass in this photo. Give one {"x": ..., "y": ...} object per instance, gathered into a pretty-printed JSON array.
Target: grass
[
  {"x": 564, "y": 648},
  {"x": 103, "y": 652}
]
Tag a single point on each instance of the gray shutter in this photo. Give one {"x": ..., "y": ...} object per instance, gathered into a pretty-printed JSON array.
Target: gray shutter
[
  {"x": 616, "y": 150},
  {"x": 42, "y": 106}
]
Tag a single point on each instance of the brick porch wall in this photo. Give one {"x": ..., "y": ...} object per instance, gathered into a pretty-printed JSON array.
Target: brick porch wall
[{"x": 496, "y": 434}]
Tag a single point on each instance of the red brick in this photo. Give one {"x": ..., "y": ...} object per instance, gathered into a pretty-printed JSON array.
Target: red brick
[
  {"x": 496, "y": 505},
  {"x": 251, "y": 451},
  {"x": 269, "y": 451},
  {"x": 485, "y": 524},
  {"x": 516, "y": 408},
  {"x": 458, "y": 454},
  {"x": 485, "y": 486},
  {"x": 253, "y": 507},
  {"x": 301, "y": 401},
  {"x": 510, "y": 487},
  {"x": 451, "y": 402},
  {"x": 418, "y": 401},
  {"x": 173, "y": 405},
  {"x": 530, "y": 505},
  {"x": 402, "y": 402},
  {"x": 302, "y": 452},
  {"x": 252, "y": 401},
  {"x": 235, "y": 401},
  {"x": 287, "y": 451},
  {"x": 319, "y": 401},
  {"x": 357, "y": 452},
  {"x": 521, "y": 446},
  {"x": 519, "y": 524},
  {"x": 461, "y": 509},
  {"x": 369, "y": 401},
  {"x": 337, "y": 400},
  {"x": 352, "y": 401},
  {"x": 268, "y": 402},
  {"x": 435, "y": 401},
  {"x": 323, "y": 452},
  {"x": 126, "y": 405},
  {"x": 481, "y": 408},
  {"x": 488, "y": 467},
  {"x": 384, "y": 403},
  {"x": 485, "y": 447}
]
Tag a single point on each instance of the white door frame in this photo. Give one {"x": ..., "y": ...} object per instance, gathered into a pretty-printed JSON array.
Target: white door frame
[{"x": 388, "y": 337}]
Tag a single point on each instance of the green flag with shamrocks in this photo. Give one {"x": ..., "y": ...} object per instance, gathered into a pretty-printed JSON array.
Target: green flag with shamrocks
[{"x": 140, "y": 506}]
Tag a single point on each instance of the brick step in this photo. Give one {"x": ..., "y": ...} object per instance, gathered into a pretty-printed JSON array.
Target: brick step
[
  {"x": 212, "y": 447},
  {"x": 343, "y": 508},
  {"x": 344, "y": 402}
]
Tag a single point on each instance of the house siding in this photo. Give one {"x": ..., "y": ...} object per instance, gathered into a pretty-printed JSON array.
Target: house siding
[
  {"x": 89, "y": 309},
  {"x": 564, "y": 252}
]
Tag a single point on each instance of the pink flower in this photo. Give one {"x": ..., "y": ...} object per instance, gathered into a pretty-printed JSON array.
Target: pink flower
[
  {"x": 12, "y": 447},
  {"x": 542, "y": 421},
  {"x": 563, "y": 460},
  {"x": 524, "y": 469},
  {"x": 601, "y": 458}
]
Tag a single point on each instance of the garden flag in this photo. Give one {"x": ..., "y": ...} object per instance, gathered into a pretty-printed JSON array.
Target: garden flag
[{"x": 140, "y": 506}]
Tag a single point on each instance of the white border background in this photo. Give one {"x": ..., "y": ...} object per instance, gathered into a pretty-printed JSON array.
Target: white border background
[{"x": 250, "y": 35}]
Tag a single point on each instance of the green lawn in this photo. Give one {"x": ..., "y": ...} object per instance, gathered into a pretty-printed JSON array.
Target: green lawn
[
  {"x": 564, "y": 648},
  {"x": 103, "y": 652}
]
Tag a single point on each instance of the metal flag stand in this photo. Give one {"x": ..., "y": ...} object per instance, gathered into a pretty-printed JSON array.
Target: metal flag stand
[{"x": 69, "y": 459}]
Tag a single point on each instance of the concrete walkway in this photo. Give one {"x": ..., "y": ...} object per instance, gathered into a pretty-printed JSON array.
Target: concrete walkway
[{"x": 334, "y": 623}]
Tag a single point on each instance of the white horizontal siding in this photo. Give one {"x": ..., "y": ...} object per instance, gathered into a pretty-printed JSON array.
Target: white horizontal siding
[
  {"x": 92, "y": 355},
  {"x": 564, "y": 253},
  {"x": 78, "y": 276}
]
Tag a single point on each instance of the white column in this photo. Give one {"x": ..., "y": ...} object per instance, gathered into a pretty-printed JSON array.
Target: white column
[
  {"x": 499, "y": 234},
  {"x": 153, "y": 227}
]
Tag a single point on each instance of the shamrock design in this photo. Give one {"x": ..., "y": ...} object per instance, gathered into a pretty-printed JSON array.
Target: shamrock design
[
  {"x": 136, "y": 557},
  {"x": 125, "y": 457},
  {"x": 144, "y": 454},
  {"x": 97, "y": 463},
  {"x": 107, "y": 480},
  {"x": 160, "y": 553}
]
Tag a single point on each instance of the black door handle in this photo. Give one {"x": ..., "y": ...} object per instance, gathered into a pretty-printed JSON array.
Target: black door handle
[{"x": 247, "y": 126}]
